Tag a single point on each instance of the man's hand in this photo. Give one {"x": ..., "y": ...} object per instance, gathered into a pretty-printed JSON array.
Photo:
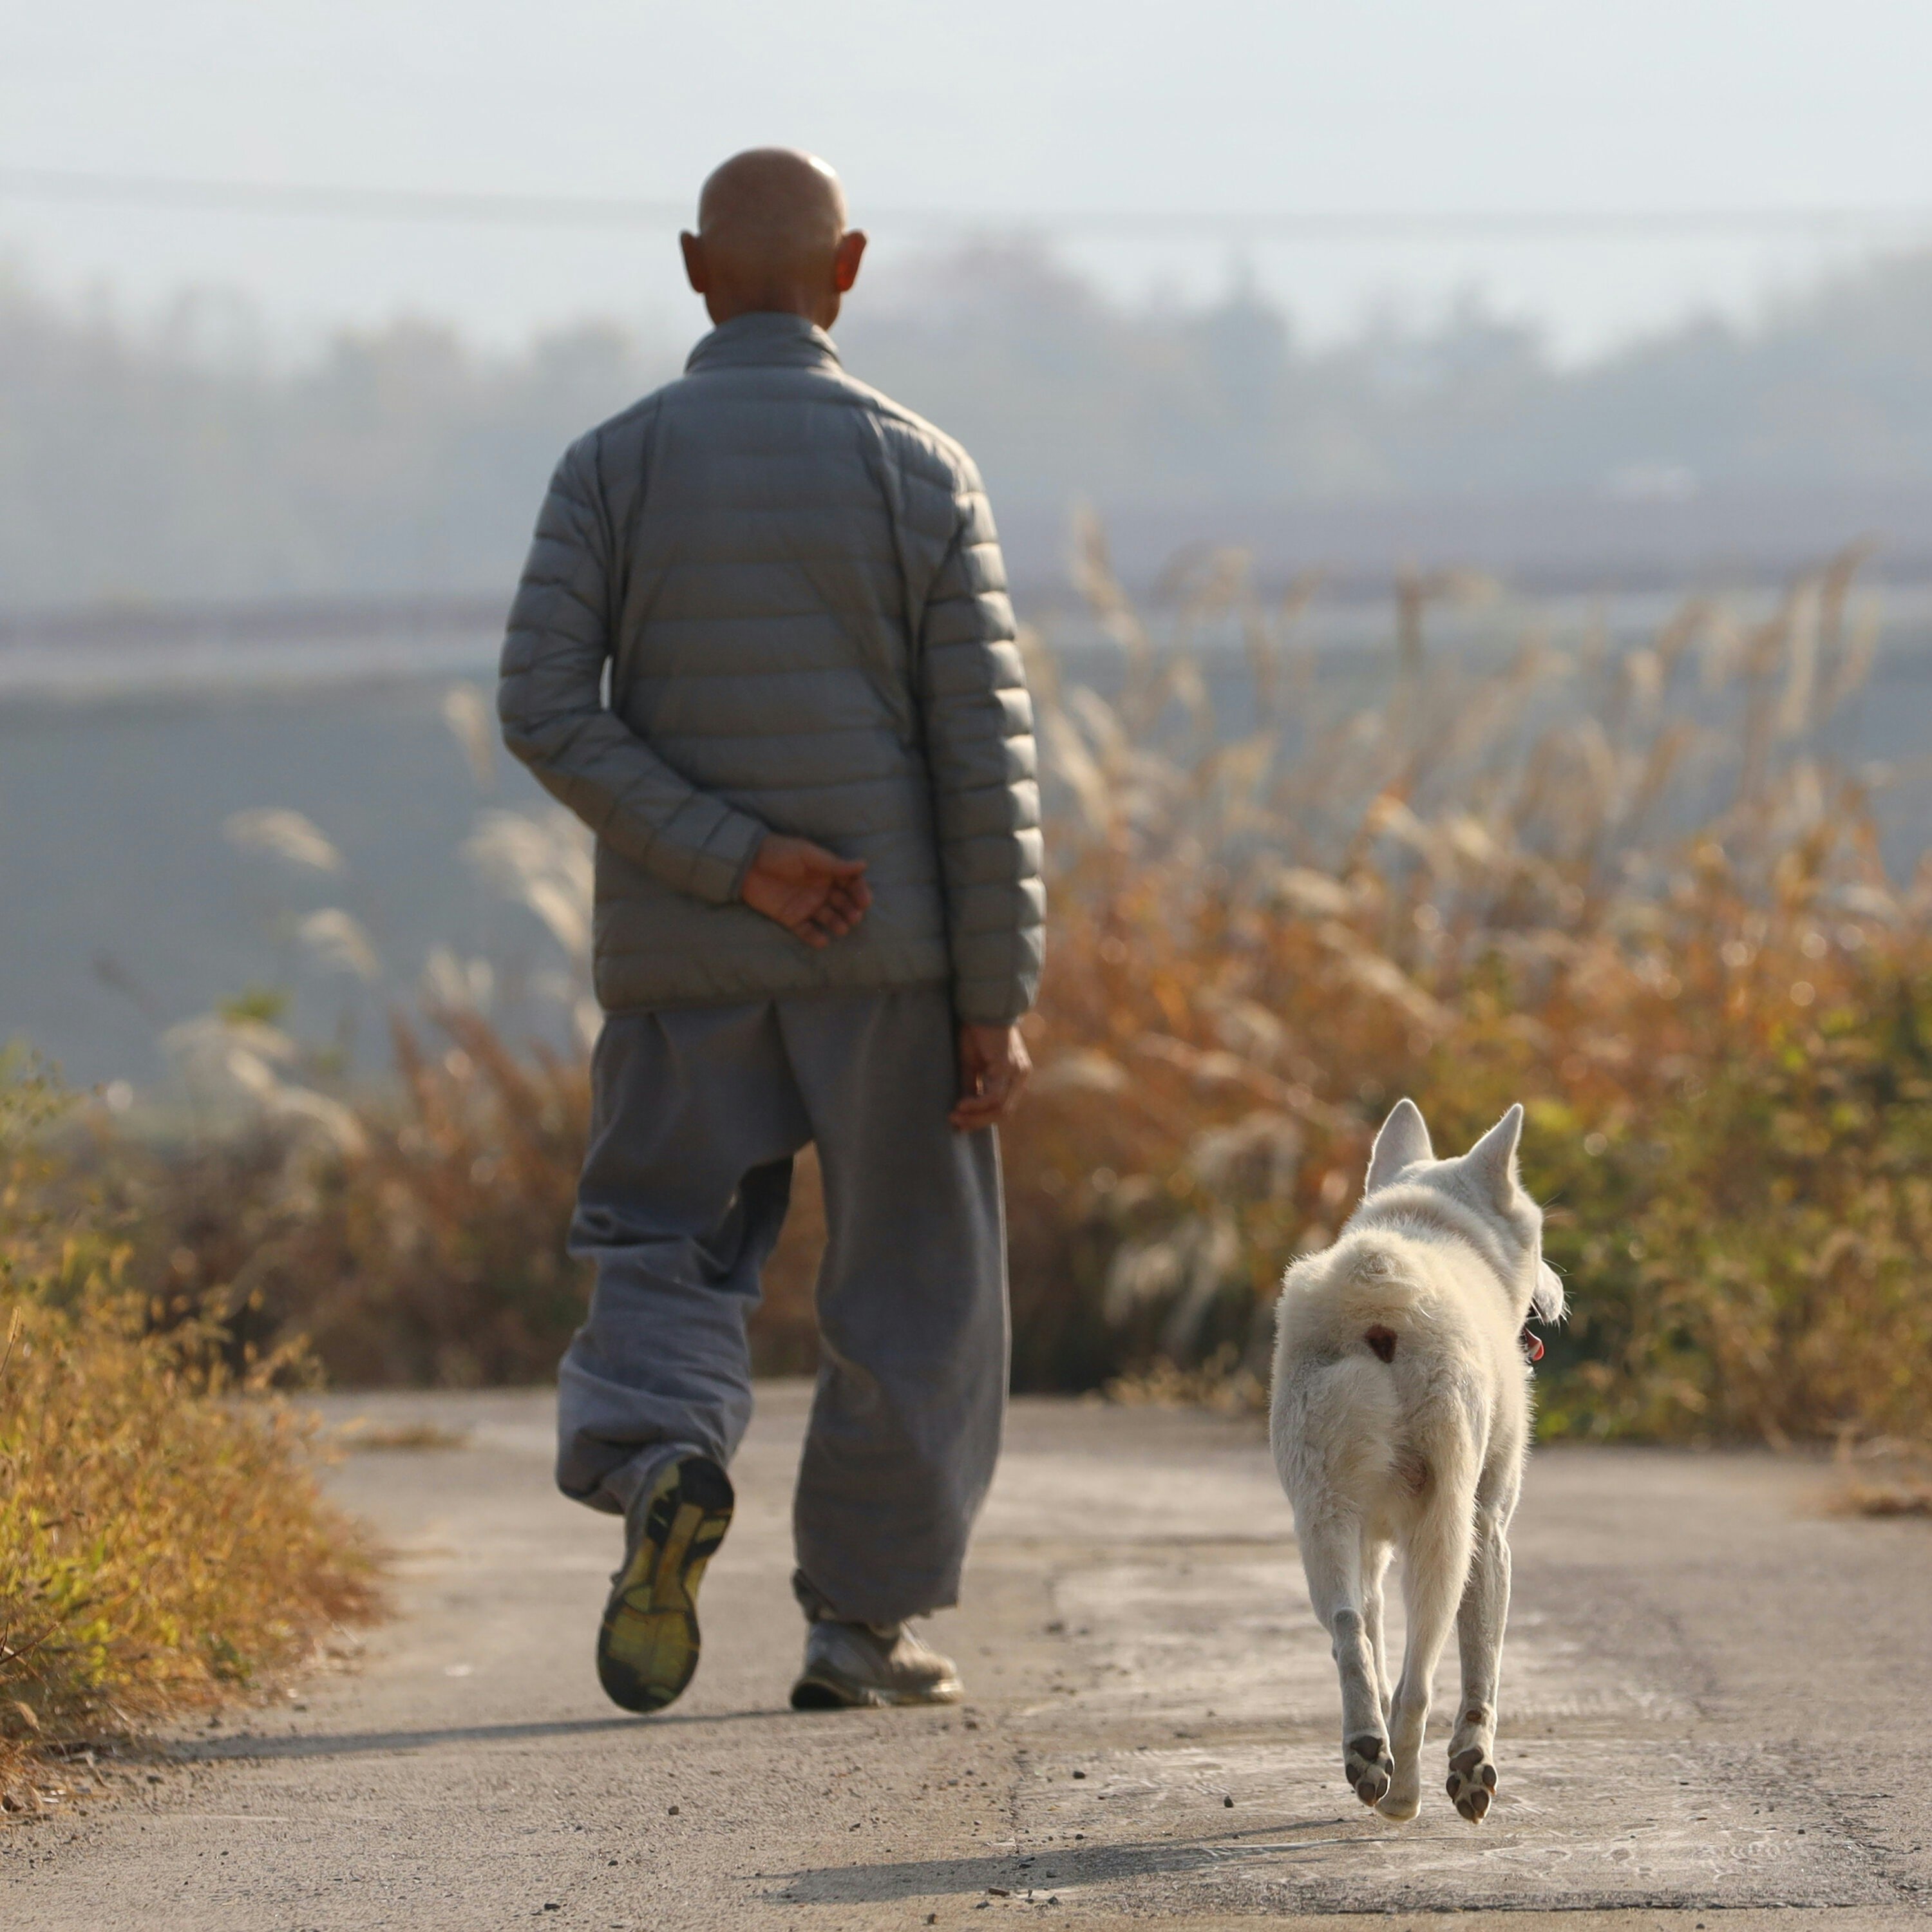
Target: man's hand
[
  {"x": 994, "y": 1064},
  {"x": 814, "y": 894}
]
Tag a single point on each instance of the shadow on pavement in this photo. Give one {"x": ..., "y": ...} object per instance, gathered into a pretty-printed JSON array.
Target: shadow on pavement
[
  {"x": 349, "y": 1744},
  {"x": 1069, "y": 1867}
]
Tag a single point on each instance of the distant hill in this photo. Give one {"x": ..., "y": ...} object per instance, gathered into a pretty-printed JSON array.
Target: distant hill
[{"x": 138, "y": 463}]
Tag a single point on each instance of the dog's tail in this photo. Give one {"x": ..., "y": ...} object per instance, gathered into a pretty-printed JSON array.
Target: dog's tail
[
  {"x": 1382, "y": 1363},
  {"x": 1410, "y": 1317}
]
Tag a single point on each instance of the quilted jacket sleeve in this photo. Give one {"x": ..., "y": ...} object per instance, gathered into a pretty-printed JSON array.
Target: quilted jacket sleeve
[
  {"x": 549, "y": 698},
  {"x": 980, "y": 747}
]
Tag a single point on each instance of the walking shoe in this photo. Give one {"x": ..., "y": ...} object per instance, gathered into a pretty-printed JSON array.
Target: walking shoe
[
  {"x": 647, "y": 1647},
  {"x": 861, "y": 1664}
]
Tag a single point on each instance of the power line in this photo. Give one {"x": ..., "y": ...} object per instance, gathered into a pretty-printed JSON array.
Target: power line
[
  {"x": 457, "y": 207},
  {"x": 376, "y": 204}
]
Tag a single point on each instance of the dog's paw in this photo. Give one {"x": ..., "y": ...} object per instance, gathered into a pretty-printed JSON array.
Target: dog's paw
[
  {"x": 1367, "y": 1765},
  {"x": 1402, "y": 1802},
  {"x": 1472, "y": 1783}
]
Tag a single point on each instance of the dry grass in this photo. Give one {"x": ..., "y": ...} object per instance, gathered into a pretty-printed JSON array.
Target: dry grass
[
  {"x": 418, "y": 1244},
  {"x": 1883, "y": 1477},
  {"x": 163, "y": 1543},
  {"x": 1888, "y": 1499},
  {"x": 1544, "y": 880},
  {"x": 1626, "y": 886}
]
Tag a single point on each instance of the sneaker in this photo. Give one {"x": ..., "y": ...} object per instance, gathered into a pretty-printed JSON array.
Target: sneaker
[
  {"x": 647, "y": 1647},
  {"x": 848, "y": 1665}
]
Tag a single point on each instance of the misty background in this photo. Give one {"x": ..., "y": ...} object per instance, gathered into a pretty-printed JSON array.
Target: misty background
[
  {"x": 1608, "y": 303},
  {"x": 176, "y": 459}
]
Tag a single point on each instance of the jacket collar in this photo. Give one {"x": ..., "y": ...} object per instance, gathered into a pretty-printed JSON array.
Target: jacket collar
[{"x": 767, "y": 339}]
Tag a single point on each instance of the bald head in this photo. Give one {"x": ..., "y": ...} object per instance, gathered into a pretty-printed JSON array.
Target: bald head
[
  {"x": 771, "y": 236},
  {"x": 772, "y": 205}
]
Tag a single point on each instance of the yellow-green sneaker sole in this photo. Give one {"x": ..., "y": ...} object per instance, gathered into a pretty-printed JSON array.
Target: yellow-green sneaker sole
[{"x": 647, "y": 1646}]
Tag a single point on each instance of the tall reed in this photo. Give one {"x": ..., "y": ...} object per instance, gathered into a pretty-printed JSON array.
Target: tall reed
[
  {"x": 1625, "y": 883},
  {"x": 1624, "y": 886}
]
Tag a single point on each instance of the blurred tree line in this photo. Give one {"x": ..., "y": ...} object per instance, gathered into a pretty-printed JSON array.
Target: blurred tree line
[{"x": 168, "y": 459}]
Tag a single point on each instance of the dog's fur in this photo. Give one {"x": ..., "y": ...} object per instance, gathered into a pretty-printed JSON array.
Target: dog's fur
[{"x": 1401, "y": 1419}]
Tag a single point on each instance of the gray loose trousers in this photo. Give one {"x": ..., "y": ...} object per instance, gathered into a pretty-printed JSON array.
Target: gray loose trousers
[{"x": 698, "y": 1113}]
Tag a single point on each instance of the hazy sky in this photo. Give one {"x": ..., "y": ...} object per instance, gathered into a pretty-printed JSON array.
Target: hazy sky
[{"x": 1002, "y": 108}]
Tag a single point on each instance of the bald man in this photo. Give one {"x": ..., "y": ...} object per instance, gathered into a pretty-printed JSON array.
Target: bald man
[{"x": 762, "y": 648}]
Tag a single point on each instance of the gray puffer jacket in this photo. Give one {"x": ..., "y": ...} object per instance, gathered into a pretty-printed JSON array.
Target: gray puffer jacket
[{"x": 795, "y": 586}]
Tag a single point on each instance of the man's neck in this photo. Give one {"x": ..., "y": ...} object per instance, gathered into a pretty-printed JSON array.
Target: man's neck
[{"x": 819, "y": 311}]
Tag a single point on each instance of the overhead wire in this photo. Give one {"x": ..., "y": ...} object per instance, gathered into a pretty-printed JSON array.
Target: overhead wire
[{"x": 482, "y": 207}]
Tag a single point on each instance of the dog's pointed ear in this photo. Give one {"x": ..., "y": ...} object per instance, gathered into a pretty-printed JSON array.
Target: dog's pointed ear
[
  {"x": 1491, "y": 1163},
  {"x": 1545, "y": 1299},
  {"x": 1403, "y": 1141}
]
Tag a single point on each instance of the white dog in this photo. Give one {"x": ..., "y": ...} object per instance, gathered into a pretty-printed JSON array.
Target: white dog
[{"x": 1401, "y": 1418}]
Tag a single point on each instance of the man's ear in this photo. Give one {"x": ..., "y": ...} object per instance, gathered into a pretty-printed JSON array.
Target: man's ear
[
  {"x": 845, "y": 261},
  {"x": 695, "y": 272},
  {"x": 1491, "y": 1163},
  {"x": 1403, "y": 1141}
]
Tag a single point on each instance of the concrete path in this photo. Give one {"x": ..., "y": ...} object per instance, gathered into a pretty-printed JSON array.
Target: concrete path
[{"x": 1714, "y": 1698}]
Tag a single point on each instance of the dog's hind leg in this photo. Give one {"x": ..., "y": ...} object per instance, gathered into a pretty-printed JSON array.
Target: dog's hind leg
[
  {"x": 1434, "y": 1566},
  {"x": 1332, "y": 1555},
  {"x": 1480, "y": 1625},
  {"x": 1375, "y": 1568}
]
